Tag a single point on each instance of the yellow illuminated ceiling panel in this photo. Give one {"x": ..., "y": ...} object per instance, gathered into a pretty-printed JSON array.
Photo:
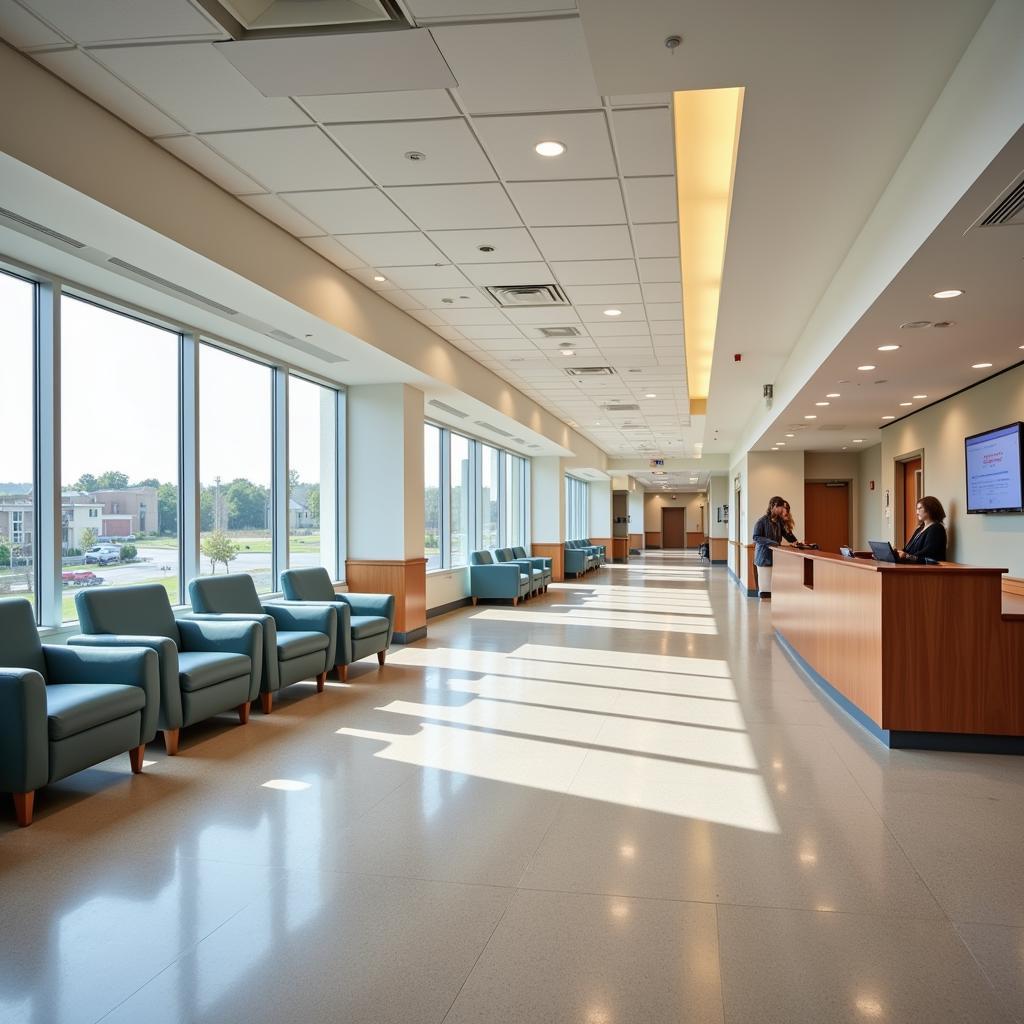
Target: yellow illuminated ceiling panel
[{"x": 707, "y": 133}]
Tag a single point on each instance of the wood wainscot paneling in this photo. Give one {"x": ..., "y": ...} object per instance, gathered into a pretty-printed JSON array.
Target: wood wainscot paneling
[
  {"x": 556, "y": 552},
  {"x": 751, "y": 569},
  {"x": 620, "y": 549},
  {"x": 636, "y": 540},
  {"x": 694, "y": 539},
  {"x": 406, "y": 579},
  {"x": 652, "y": 539},
  {"x": 719, "y": 550},
  {"x": 606, "y": 541}
]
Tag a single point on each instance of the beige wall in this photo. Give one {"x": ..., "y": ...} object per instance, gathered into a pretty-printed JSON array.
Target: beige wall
[
  {"x": 770, "y": 474},
  {"x": 718, "y": 495},
  {"x": 871, "y": 525},
  {"x": 655, "y": 502},
  {"x": 939, "y": 431}
]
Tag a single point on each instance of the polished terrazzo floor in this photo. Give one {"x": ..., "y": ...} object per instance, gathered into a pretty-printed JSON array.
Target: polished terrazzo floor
[{"x": 617, "y": 804}]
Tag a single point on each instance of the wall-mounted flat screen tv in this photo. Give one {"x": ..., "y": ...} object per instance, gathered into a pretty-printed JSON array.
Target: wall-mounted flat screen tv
[{"x": 994, "y": 470}]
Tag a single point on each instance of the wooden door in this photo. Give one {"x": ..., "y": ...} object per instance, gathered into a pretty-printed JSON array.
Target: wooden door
[
  {"x": 827, "y": 508},
  {"x": 673, "y": 527},
  {"x": 911, "y": 496}
]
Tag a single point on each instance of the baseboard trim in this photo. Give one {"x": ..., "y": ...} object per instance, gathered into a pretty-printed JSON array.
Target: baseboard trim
[
  {"x": 411, "y": 636},
  {"x": 719, "y": 561},
  {"x": 451, "y": 606},
  {"x": 738, "y": 581}
]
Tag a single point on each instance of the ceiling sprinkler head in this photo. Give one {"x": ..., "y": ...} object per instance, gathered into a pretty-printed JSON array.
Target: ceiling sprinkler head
[
  {"x": 673, "y": 43},
  {"x": 415, "y": 155}
]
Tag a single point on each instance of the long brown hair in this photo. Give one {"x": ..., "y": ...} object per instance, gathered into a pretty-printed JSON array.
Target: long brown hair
[
  {"x": 936, "y": 513},
  {"x": 773, "y": 502},
  {"x": 788, "y": 519}
]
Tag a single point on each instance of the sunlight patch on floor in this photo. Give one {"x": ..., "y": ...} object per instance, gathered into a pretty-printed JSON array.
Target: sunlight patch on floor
[{"x": 579, "y": 619}]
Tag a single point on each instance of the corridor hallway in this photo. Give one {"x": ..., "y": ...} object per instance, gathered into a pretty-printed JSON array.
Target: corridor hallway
[{"x": 618, "y": 803}]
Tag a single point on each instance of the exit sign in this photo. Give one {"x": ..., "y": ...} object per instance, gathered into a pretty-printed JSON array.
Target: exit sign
[{"x": 657, "y": 462}]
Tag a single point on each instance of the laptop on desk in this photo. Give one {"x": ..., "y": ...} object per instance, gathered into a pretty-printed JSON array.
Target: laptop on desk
[{"x": 883, "y": 551}]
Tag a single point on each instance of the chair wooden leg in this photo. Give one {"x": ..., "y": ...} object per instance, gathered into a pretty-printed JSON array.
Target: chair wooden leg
[
  {"x": 266, "y": 703},
  {"x": 171, "y": 738},
  {"x": 515, "y": 601},
  {"x": 23, "y": 807},
  {"x": 380, "y": 657},
  {"x": 243, "y": 713},
  {"x": 321, "y": 680},
  {"x": 474, "y": 602},
  {"x": 135, "y": 755},
  {"x": 341, "y": 672}
]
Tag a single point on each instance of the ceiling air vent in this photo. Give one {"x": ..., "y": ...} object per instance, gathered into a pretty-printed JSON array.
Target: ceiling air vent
[
  {"x": 492, "y": 428},
  {"x": 528, "y": 295},
  {"x": 590, "y": 371},
  {"x": 24, "y": 222},
  {"x": 1009, "y": 208},
  {"x": 622, "y": 408},
  {"x": 172, "y": 287},
  {"x": 559, "y": 332},
  {"x": 450, "y": 409}
]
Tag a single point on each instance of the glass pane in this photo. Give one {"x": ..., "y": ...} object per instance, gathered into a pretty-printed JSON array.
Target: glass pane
[
  {"x": 119, "y": 451},
  {"x": 234, "y": 466},
  {"x": 17, "y": 505},
  {"x": 460, "y": 499},
  {"x": 488, "y": 496},
  {"x": 311, "y": 416},
  {"x": 432, "y": 495},
  {"x": 515, "y": 500}
]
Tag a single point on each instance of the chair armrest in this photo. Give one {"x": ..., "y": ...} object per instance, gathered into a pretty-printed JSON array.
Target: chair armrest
[
  {"x": 170, "y": 714},
  {"x": 24, "y": 750},
  {"x": 232, "y": 637},
  {"x": 305, "y": 615},
  {"x": 270, "y": 677},
  {"x": 371, "y": 604},
  {"x": 123, "y": 666}
]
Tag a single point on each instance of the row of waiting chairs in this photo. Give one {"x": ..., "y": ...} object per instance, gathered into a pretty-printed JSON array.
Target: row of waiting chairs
[
  {"x": 581, "y": 556},
  {"x": 138, "y": 668},
  {"x": 509, "y": 573}
]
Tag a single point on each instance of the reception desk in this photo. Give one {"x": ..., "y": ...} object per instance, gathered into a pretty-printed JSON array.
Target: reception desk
[{"x": 923, "y": 656}]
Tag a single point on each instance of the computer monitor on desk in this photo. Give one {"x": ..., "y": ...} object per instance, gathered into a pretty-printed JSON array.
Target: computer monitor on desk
[{"x": 883, "y": 551}]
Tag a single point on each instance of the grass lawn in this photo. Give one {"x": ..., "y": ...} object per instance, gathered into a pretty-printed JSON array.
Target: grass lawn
[
  {"x": 246, "y": 541},
  {"x": 70, "y": 613}
]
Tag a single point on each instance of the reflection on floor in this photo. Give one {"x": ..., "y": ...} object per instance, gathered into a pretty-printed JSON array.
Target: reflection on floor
[{"x": 617, "y": 804}]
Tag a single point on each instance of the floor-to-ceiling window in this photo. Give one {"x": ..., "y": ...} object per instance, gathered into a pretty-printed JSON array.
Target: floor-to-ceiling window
[
  {"x": 119, "y": 450},
  {"x": 459, "y": 490},
  {"x": 432, "y": 513},
  {"x": 235, "y": 466},
  {"x": 577, "y": 508},
  {"x": 517, "y": 496},
  {"x": 490, "y": 533},
  {"x": 17, "y": 459}
]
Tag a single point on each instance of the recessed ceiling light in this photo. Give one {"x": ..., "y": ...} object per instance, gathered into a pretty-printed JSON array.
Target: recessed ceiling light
[
  {"x": 920, "y": 396},
  {"x": 865, "y": 367},
  {"x": 567, "y": 351},
  {"x": 613, "y": 312},
  {"x": 379, "y": 277},
  {"x": 415, "y": 155},
  {"x": 550, "y": 148},
  {"x": 810, "y": 417},
  {"x": 948, "y": 293},
  {"x": 833, "y": 394},
  {"x": 650, "y": 396},
  {"x": 822, "y": 403},
  {"x": 905, "y": 404},
  {"x": 980, "y": 366},
  {"x": 888, "y": 417},
  {"x": 887, "y": 348},
  {"x": 858, "y": 440},
  {"x": 791, "y": 435},
  {"x": 780, "y": 444}
]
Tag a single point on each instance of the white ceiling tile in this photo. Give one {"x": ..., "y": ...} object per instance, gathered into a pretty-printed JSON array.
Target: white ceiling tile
[
  {"x": 551, "y": 316},
  {"x": 643, "y": 141},
  {"x": 113, "y": 21},
  {"x": 613, "y": 330},
  {"x": 454, "y": 336},
  {"x": 630, "y": 312},
  {"x": 626, "y": 357},
  {"x": 651, "y": 199},
  {"x": 545, "y": 203},
  {"x": 673, "y": 327},
  {"x": 423, "y": 276},
  {"x": 635, "y": 341},
  {"x": 438, "y": 207},
  {"x": 350, "y": 211},
  {"x": 401, "y": 299},
  {"x": 503, "y": 273},
  {"x": 596, "y": 272},
  {"x": 337, "y": 254},
  {"x": 452, "y": 154},
  {"x": 397, "y": 249},
  {"x": 660, "y": 270},
  {"x": 289, "y": 159},
  {"x": 193, "y": 152},
  {"x": 445, "y": 298},
  {"x": 656, "y": 241},
  {"x": 664, "y": 310},
  {"x": 80, "y": 70},
  {"x": 644, "y": 99},
  {"x": 604, "y": 293},
  {"x": 663, "y": 293},
  {"x": 24, "y": 30},
  {"x": 426, "y": 316},
  {"x": 510, "y": 143},
  {"x": 510, "y": 245},
  {"x": 198, "y": 87},
  {"x": 539, "y": 64},
  {"x": 425, "y": 9},
  {"x": 500, "y": 332},
  {"x": 282, "y": 214},
  {"x": 582, "y": 243},
  {"x": 471, "y": 317},
  {"x": 495, "y": 344},
  {"x": 380, "y": 106}
]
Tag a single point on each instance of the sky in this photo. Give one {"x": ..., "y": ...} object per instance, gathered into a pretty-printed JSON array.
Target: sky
[{"x": 119, "y": 400}]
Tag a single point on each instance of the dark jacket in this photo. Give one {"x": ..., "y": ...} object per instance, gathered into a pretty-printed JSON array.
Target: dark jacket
[
  {"x": 769, "y": 533},
  {"x": 927, "y": 542}
]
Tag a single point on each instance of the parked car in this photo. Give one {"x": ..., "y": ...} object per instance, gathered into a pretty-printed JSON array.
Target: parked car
[
  {"x": 102, "y": 554},
  {"x": 81, "y": 578}
]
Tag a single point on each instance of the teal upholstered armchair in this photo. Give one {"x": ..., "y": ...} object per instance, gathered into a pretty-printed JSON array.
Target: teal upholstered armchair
[
  {"x": 544, "y": 564},
  {"x": 298, "y": 639},
  {"x": 538, "y": 578},
  {"x": 64, "y": 709},
  {"x": 206, "y": 668},
  {"x": 366, "y": 622},
  {"x": 488, "y": 578},
  {"x": 576, "y": 559}
]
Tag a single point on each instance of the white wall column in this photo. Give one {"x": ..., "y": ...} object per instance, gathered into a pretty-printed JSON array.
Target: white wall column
[{"x": 547, "y": 509}]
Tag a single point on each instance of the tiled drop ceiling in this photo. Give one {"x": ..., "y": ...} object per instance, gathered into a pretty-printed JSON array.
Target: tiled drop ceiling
[{"x": 598, "y": 221}]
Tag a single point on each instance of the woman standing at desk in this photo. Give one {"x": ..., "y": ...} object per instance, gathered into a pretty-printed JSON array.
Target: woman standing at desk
[
  {"x": 928, "y": 541},
  {"x": 769, "y": 532}
]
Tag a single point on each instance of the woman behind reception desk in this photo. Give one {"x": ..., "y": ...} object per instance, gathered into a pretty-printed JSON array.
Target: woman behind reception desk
[
  {"x": 769, "y": 532},
  {"x": 928, "y": 541}
]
